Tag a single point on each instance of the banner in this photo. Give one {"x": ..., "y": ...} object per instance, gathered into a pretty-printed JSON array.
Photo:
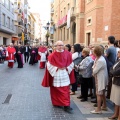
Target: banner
[
  {"x": 22, "y": 36},
  {"x": 68, "y": 18}
]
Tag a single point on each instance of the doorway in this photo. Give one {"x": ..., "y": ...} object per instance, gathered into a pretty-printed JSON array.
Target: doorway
[
  {"x": 88, "y": 38},
  {"x": 4, "y": 41},
  {"x": 74, "y": 32}
]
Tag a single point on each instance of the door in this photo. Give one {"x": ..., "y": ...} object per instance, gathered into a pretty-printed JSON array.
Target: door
[{"x": 88, "y": 38}]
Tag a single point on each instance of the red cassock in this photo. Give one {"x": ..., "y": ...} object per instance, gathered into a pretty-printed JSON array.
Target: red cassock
[
  {"x": 42, "y": 49},
  {"x": 60, "y": 96},
  {"x": 11, "y": 51}
]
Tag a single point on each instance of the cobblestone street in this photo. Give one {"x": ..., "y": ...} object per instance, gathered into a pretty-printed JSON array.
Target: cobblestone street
[{"x": 23, "y": 98}]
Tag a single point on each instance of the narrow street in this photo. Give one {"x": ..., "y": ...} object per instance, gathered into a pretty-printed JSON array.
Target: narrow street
[{"x": 23, "y": 98}]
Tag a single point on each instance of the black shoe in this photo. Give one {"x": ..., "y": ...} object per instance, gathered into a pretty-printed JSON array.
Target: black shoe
[
  {"x": 68, "y": 109},
  {"x": 90, "y": 95},
  {"x": 80, "y": 97},
  {"x": 56, "y": 106},
  {"x": 83, "y": 100},
  {"x": 93, "y": 101}
]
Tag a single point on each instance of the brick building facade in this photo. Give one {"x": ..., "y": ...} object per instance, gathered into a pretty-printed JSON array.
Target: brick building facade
[{"x": 91, "y": 21}]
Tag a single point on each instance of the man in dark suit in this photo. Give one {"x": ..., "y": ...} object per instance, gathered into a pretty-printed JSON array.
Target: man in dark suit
[{"x": 26, "y": 53}]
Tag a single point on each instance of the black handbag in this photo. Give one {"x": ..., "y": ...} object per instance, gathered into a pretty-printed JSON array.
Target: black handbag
[{"x": 116, "y": 81}]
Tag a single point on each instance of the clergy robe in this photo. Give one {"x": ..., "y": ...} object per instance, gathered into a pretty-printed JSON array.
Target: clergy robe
[
  {"x": 43, "y": 53},
  {"x": 32, "y": 56},
  {"x": 10, "y": 56},
  {"x": 19, "y": 56},
  {"x": 59, "y": 83}
]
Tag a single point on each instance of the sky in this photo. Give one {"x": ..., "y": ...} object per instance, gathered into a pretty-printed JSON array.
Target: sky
[{"x": 42, "y": 7}]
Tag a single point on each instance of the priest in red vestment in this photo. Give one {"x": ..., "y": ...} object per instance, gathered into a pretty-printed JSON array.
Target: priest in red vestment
[
  {"x": 59, "y": 75},
  {"x": 10, "y": 55},
  {"x": 42, "y": 51}
]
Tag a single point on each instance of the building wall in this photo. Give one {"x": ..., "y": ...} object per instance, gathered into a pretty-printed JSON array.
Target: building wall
[
  {"x": 95, "y": 20},
  {"x": 8, "y": 26},
  {"x": 6, "y": 21}
]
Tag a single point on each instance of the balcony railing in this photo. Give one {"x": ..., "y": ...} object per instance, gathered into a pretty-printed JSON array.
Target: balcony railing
[
  {"x": 20, "y": 23},
  {"x": 29, "y": 23},
  {"x": 19, "y": 34}
]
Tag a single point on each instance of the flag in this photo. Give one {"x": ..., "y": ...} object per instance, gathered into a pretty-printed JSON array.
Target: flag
[
  {"x": 68, "y": 18},
  {"x": 22, "y": 36}
]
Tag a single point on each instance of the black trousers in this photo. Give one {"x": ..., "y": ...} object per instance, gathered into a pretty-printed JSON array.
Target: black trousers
[
  {"x": 26, "y": 55},
  {"x": 84, "y": 87}
]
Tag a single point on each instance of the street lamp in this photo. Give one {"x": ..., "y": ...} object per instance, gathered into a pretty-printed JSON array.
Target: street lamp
[{"x": 47, "y": 35}]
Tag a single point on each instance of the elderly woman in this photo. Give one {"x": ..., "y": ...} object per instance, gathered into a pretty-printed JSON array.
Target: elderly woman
[
  {"x": 115, "y": 92},
  {"x": 85, "y": 69},
  {"x": 101, "y": 79}
]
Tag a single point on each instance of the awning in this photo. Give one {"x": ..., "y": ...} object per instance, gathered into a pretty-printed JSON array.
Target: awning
[{"x": 14, "y": 38}]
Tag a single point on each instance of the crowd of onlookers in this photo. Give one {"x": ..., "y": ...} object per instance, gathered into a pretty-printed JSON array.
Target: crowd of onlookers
[
  {"x": 96, "y": 69},
  {"x": 2, "y": 53}
]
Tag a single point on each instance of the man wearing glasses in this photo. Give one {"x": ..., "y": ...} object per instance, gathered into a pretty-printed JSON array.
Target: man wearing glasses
[{"x": 59, "y": 75}]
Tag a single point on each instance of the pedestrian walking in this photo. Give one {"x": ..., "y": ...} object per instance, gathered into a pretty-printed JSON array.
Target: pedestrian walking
[
  {"x": 59, "y": 75},
  {"x": 10, "y": 54}
]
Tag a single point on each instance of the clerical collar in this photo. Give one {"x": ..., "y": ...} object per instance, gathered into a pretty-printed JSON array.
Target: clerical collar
[{"x": 60, "y": 51}]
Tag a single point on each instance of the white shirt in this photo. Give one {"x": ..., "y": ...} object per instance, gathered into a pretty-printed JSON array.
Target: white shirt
[{"x": 26, "y": 49}]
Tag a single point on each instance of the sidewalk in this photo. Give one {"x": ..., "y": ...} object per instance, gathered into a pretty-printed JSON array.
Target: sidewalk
[{"x": 86, "y": 107}]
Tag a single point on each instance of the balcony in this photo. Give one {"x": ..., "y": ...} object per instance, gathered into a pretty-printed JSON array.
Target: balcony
[
  {"x": 20, "y": 24},
  {"x": 19, "y": 12},
  {"x": 52, "y": 3},
  {"x": 15, "y": 23},
  {"x": 29, "y": 31},
  {"x": 52, "y": 11},
  {"x": 29, "y": 23},
  {"x": 19, "y": 34},
  {"x": 52, "y": 21}
]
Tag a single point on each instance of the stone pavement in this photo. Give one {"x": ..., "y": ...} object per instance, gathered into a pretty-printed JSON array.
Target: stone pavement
[{"x": 23, "y": 98}]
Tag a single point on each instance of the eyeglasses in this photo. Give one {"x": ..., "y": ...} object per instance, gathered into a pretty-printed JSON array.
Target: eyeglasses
[{"x": 60, "y": 45}]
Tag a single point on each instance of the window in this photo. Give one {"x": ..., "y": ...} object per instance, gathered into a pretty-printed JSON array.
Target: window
[
  {"x": 68, "y": 6},
  {"x": 67, "y": 33},
  {"x": 3, "y": 19},
  {"x": 12, "y": 24},
  {"x": 64, "y": 11},
  {"x": 89, "y": 21},
  {"x": 3, "y": 2},
  {"x": 61, "y": 34},
  {"x": 61, "y": 14},
  {"x": 8, "y": 21},
  {"x": 8, "y": 4},
  {"x": 12, "y": 8},
  {"x": 74, "y": 3},
  {"x": 64, "y": 33}
]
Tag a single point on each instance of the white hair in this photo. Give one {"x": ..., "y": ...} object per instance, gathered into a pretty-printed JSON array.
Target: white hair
[{"x": 59, "y": 41}]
